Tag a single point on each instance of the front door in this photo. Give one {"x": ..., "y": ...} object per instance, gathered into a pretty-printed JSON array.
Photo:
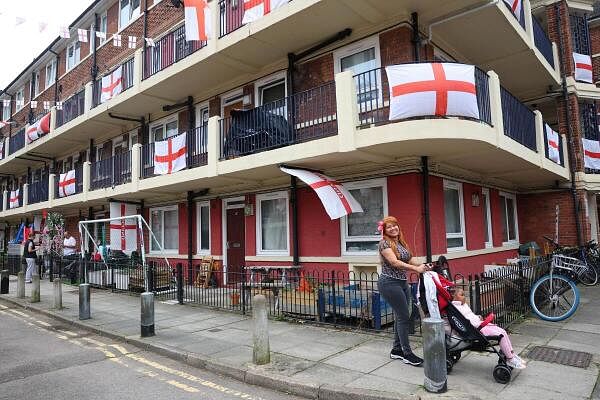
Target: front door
[{"x": 235, "y": 244}]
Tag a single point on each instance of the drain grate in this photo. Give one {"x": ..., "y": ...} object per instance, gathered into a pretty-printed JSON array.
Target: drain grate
[{"x": 560, "y": 356}]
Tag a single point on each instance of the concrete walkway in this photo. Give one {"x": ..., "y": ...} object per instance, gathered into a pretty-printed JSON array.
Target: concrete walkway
[{"x": 323, "y": 363}]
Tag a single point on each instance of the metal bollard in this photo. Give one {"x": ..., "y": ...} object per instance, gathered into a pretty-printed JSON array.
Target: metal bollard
[
  {"x": 147, "y": 317},
  {"x": 4, "y": 281},
  {"x": 21, "y": 285},
  {"x": 84, "y": 301},
  {"x": 35, "y": 289},
  {"x": 261, "y": 354},
  {"x": 434, "y": 354},
  {"x": 179, "y": 283},
  {"x": 57, "y": 294}
]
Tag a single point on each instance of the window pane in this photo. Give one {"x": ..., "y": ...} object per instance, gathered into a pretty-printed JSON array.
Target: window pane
[
  {"x": 273, "y": 93},
  {"x": 273, "y": 224},
  {"x": 172, "y": 129},
  {"x": 454, "y": 242},
  {"x": 365, "y": 223},
  {"x": 156, "y": 229},
  {"x": 359, "y": 62},
  {"x": 452, "y": 210},
  {"x": 503, "y": 214},
  {"x": 362, "y": 246},
  {"x": 125, "y": 10},
  {"x": 510, "y": 207},
  {"x": 171, "y": 230},
  {"x": 204, "y": 227},
  {"x": 157, "y": 133},
  {"x": 486, "y": 218}
]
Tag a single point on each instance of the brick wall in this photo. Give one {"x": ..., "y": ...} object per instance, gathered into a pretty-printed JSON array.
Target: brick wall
[
  {"x": 595, "y": 44},
  {"x": 551, "y": 14},
  {"x": 575, "y": 127}
]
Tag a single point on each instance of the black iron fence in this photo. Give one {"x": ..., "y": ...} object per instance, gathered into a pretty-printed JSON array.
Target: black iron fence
[
  {"x": 303, "y": 116},
  {"x": 519, "y": 120},
  {"x": 38, "y": 191},
  {"x": 61, "y": 190},
  {"x": 231, "y": 13},
  {"x": 111, "y": 172},
  {"x": 542, "y": 42},
  {"x": 72, "y": 108},
  {"x": 16, "y": 142},
  {"x": 126, "y": 80}
]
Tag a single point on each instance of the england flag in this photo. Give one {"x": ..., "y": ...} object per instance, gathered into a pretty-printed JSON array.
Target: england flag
[
  {"x": 198, "y": 20},
  {"x": 552, "y": 137},
  {"x": 256, "y": 9},
  {"x": 170, "y": 155},
  {"x": 123, "y": 232},
  {"x": 583, "y": 68},
  {"x": 111, "y": 85},
  {"x": 591, "y": 153}
]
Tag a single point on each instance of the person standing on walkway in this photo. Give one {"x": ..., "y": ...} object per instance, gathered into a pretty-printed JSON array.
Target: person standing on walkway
[
  {"x": 29, "y": 252},
  {"x": 396, "y": 260}
]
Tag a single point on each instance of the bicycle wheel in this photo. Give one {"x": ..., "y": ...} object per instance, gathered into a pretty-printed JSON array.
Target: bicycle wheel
[
  {"x": 556, "y": 304},
  {"x": 588, "y": 275}
]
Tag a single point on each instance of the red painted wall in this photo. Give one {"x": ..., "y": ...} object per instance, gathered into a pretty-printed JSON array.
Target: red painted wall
[
  {"x": 216, "y": 229},
  {"x": 474, "y": 221},
  {"x": 250, "y": 225},
  {"x": 319, "y": 235}
]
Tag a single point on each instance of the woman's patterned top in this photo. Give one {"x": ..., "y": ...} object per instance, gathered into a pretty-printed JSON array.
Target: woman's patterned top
[{"x": 386, "y": 268}]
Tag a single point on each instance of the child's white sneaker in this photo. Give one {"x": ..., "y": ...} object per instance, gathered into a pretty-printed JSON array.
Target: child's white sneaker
[{"x": 516, "y": 362}]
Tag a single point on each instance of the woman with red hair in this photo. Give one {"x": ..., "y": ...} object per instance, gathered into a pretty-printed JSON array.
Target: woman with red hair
[{"x": 396, "y": 260}]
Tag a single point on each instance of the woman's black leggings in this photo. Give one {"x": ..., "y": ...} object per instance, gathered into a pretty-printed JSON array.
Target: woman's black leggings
[{"x": 396, "y": 292}]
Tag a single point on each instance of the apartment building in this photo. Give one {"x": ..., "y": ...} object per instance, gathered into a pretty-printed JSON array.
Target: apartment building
[{"x": 306, "y": 86}]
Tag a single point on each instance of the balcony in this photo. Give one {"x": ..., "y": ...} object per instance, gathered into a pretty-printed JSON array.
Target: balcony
[
  {"x": 111, "y": 172},
  {"x": 59, "y": 192},
  {"x": 72, "y": 108},
  {"x": 542, "y": 42},
  {"x": 37, "y": 192},
  {"x": 16, "y": 142},
  {"x": 127, "y": 69}
]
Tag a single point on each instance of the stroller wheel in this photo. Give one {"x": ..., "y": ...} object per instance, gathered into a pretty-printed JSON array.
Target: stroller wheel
[
  {"x": 455, "y": 357},
  {"x": 449, "y": 365},
  {"x": 502, "y": 374}
]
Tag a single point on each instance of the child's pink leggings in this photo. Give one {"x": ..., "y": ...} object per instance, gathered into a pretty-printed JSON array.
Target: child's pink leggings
[{"x": 505, "y": 345}]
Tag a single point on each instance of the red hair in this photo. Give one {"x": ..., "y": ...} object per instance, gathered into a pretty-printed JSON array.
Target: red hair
[{"x": 389, "y": 220}]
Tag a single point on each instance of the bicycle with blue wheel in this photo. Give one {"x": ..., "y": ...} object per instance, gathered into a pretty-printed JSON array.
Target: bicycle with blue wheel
[{"x": 555, "y": 296}]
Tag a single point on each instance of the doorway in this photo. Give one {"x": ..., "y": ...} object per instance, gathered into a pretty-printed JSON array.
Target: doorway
[{"x": 235, "y": 239}]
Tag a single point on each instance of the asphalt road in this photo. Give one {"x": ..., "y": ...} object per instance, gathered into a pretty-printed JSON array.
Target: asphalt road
[{"x": 41, "y": 358}]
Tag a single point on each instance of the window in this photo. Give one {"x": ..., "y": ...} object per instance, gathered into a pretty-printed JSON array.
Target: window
[
  {"x": 203, "y": 227},
  {"x": 73, "y": 54},
  {"x": 36, "y": 84},
  {"x": 165, "y": 226},
  {"x": 50, "y": 73},
  {"x": 272, "y": 228},
  {"x": 487, "y": 217},
  {"x": 5, "y": 112},
  {"x": 454, "y": 214},
  {"x": 103, "y": 27},
  {"x": 164, "y": 129},
  {"x": 272, "y": 89},
  {"x": 130, "y": 9},
  {"x": 359, "y": 230},
  {"x": 20, "y": 99},
  {"x": 508, "y": 210}
]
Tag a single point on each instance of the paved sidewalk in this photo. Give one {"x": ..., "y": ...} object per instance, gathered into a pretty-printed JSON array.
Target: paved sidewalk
[{"x": 324, "y": 363}]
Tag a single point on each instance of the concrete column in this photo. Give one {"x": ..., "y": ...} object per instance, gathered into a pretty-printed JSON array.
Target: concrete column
[
  {"x": 496, "y": 106},
  {"x": 35, "y": 288},
  {"x": 6, "y": 146},
  {"x": 57, "y": 294},
  {"x": 88, "y": 101},
  {"x": 216, "y": 25},
  {"x": 147, "y": 314},
  {"x": 213, "y": 138},
  {"x": 528, "y": 21},
  {"x": 138, "y": 67},
  {"x": 21, "y": 285},
  {"x": 25, "y": 195},
  {"x": 347, "y": 110},
  {"x": 87, "y": 178},
  {"x": 434, "y": 353},
  {"x": 539, "y": 137},
  {"x": 52, "y": 120},
  {"x": 4, "y": 281},
  {"x": 565, "y": 153},
  {"x": 51, "y": 187},
  {"x": 136, "y": 157},
  {"x": 556, "y": 58},
  {"x": 84, "y": 301},
  {"x": 5, "y": 195},
  {"x": 261, "y": 354}
]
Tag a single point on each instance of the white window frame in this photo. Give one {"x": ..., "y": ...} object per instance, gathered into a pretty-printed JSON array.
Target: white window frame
[
  {"x": 36, "y": 84},
  {"x": 50, "y": 78},
  {"x": 485, "y": 194},
  {"x": 5, "y": 112},
  {"x": 164, "y": 122},
  {"x": 272, "y": 196},
  {"x": 163, "y": 209},
  {"x": 513, "y": 197},
  {"x": 370, "y": 183},
  {"x": 76, "y": 55},
  {"x": 200, "y": 251},
  {"x": 268, "y": 82},
  {"x": 200, "y": 109},
  {"x": 132, "y": 15},
  {"x": 104, "y": 29},
  {"x": 461, "y": 204},
  {"x": 231, "y": 97},
  {"x": 19, "y": 95}
]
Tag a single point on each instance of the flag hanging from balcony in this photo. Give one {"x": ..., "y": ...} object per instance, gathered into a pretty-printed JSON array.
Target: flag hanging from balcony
[
  {"x": 66, "y": 184},
  {"x": 336, "y": 199},
  {"x": 13, "y": 201},
  {"x": 123, "y": 232},
  {"x": 591, "y": 153},
  {"x": 38, "y": 129},
  {"x": 198, "y": 20},
  {"x": 583, "y": 68},
  {"x": 3, "y": 124},
  {"x": 552, "y": 138},
  {"x": 170, "y": 155},
  {"x": 441, "y": 89},
  {"x": 256, "y": 9},
  {"x": 515, "y": 7},
  {"x": 38, "y": 224},
  {"x": 111, "y": 85}
]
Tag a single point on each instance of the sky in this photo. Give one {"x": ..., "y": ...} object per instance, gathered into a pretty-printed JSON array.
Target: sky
[{"x": 21, "y": 43}]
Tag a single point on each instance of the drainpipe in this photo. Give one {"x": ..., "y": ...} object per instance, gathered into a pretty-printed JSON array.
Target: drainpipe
[
  {"x": 12, "y": 98},
  {"x": 416, "y": 37},
  {"x": 426, "y": 220},
  {"x": 191, "y": 126},
  {"x": 95, "y": 68},
  {"x": 294, "y": 201},
  {"x": 190, "y": 221},
  {"x": 461, "y": 14},
  {"x": 570, "y": 144},
  {"x": 31, "y": 94}
]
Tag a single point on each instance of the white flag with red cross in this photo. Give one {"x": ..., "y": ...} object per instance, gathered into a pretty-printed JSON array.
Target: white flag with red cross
[
  {"x": 38, "y": 129},
  {"x": 111, "y": 85},
  {"x": 552, "y": 137},
  {"x": 256, "y": 9},
  {"x": 336, "y": 199},
  {"x": 3, "y": 124},
  {"x": 66, "y": 184},
  {"x": 170, "y": 155},
  {"x": 123, "y": 232},
  {"x": 591, "y": 153},
  {"x": 198, "y": 20},
  {"x": 583, "y": 68},
  {"x": 515, "y": 7},
  {"x": 13, "y": 200},
  {"x": 440, "y": 89}
]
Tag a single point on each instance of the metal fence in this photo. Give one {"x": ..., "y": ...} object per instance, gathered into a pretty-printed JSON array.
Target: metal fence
[
  {"x": 231, "y": 13},
  {"x": 126, "y": 80},
  {"x": 16, "y": 142},
  {"x": 71, "y": 108},
  {"x": 38, "y": 191},
  {"x": 542, "y": 42},
  {"x": 111, "y": 172},
  {"x": 58, "y": 190},
  {"x": 519, "y": 121}
]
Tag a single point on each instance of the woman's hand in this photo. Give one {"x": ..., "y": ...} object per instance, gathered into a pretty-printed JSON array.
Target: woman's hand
[{"x": 421, "y": 268}]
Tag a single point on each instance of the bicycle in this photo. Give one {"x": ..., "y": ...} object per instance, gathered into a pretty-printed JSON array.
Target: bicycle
[
  {"x": 584, "y": 271},
  {"x": 555, "y": 297}
]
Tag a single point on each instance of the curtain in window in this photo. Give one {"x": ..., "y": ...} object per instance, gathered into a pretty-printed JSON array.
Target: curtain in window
[
  {"x": 452, "y": 210},
  {"x": 273, "y": 224},
  {"x": 204, "y": 227},
  {"x": 156, "y": 229},
  {"x": 365, "y": 223},
  {"x": 171, "y": 232}
]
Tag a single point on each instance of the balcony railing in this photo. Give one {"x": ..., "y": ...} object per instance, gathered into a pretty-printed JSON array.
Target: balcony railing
[
  {"x": 304, "y": 116},
  {"x": 38, "y": 191},
  {"x": 173, "y": 47},
  {"x": 78, "y": 182},
  {"x": 71, "y": 108},
  {"x": 197, "y": 152},
  {"x": 519, "y": 121},
  {"x": 373, "y": 96},
  {"x": 542, "y": 42},
  {"x": 126, "y": 80},
  {"x": 111, "y": 172},
  {"x": 231, "y": 13},
  {"x": 521, "y": 18},
  {"x": 16, "y": 142}
]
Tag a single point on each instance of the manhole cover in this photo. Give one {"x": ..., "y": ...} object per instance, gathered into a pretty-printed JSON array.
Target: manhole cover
[
  {"x": 560, "y": 356},
  {"x": 215, "y": 330}
]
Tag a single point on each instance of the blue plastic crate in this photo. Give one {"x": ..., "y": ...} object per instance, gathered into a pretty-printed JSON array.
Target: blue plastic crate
[
  {"x": 357, "y": 303},
  {"x": 339, "y": 300}
]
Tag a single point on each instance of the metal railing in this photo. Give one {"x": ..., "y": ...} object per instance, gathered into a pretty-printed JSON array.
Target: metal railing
[
  {"x": 111, "y": 172},
  {"x": 78, "y": 182},
  {"x": 304, "y": 116},
  {"x": 16, "y": 142},
  {"x": 542, "y": 42},
  {"x": 126, "y": 80},
  {"x": 38, "y": 191},
  {"x": 72, "y": 108},
  {"x": 171, "y": 48},
  {"x": 373, "y": 97},
  {"x": 519, "y": 121},
  {"x": 231, "y": 13}
]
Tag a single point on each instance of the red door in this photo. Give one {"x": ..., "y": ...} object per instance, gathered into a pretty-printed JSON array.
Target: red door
[{"x": 235, "y": 244}]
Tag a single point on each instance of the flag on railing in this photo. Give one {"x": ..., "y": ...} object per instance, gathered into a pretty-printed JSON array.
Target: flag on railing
[
  {"x": 13, "y": 200},
  {"x": 336, "y": 199},
  {"x": 111, "y": 85},
  {"x": 553, "y": 138},
  {"x": 583, "y": 68},
  {"x": 82, "y": 35},
  {"x": 123, "y": 232},
  {"x": 442, "y": 89},
  {"x": 132, "y": 42},
  {"x": 4, "y": 123},
  {"x": 66, "y": 184},
  {"x": 38, "y": 129},
  {"x": 198, "y": 20},
  {"x": 591, "y": 153},
  {"x": 170, "y": 155},
  {"x": 117, "y": 40},
  {"x": 256, "y": 9},
  {"x": 515, "y": 7}
]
